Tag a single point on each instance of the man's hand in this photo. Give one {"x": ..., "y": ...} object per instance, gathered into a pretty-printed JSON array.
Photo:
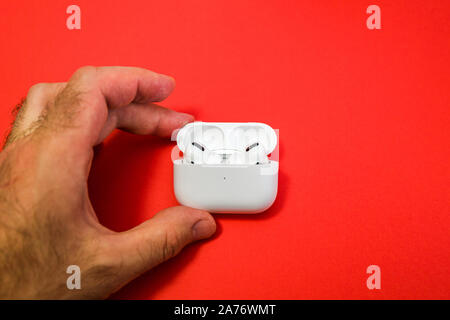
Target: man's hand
[{"x": 46, "y": 219}]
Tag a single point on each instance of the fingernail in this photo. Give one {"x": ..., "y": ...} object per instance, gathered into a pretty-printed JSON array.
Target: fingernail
[
  {"x": 184, "y": 118},
  {"x": 203, "y": 229}
]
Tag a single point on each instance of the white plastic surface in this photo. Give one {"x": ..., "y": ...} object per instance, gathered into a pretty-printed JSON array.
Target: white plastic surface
[
  {"x": 225, "y": 168},
  {"x": 227, "y": 135}
]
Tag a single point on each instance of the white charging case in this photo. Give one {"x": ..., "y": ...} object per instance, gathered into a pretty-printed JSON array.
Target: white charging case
[{"x": 233, "y": 181}]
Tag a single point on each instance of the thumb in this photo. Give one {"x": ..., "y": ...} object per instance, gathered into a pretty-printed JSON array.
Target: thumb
[{"x": 161, "y": 238}]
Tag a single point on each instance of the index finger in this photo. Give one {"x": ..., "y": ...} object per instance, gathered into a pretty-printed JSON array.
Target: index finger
[{"x": 91, "y": 92}]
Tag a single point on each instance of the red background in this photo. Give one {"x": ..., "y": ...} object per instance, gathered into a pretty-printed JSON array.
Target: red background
[{"x": 364, "y": 135}]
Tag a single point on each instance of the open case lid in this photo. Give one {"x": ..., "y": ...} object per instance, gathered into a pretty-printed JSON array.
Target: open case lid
[{"x": 227, "y": 135}]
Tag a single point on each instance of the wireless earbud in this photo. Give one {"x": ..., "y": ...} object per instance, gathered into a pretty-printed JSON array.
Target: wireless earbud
[
  {"x": 197, "y": 154},
  {"x": 225, "y": 167},
  {"x": 255, "y": 154},
  {"x": 193, "y": 154}
]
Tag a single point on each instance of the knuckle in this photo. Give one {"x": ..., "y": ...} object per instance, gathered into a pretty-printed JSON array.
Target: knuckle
[
  {"x": 85, "y": 69},
  {"x": 171, "y": 244},
  {"x": 84, "y": 72},
  {"x": 37, "y": 88}
]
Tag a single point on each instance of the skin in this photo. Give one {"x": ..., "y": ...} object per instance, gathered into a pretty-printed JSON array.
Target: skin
[{"x": 46, "y": 218}]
